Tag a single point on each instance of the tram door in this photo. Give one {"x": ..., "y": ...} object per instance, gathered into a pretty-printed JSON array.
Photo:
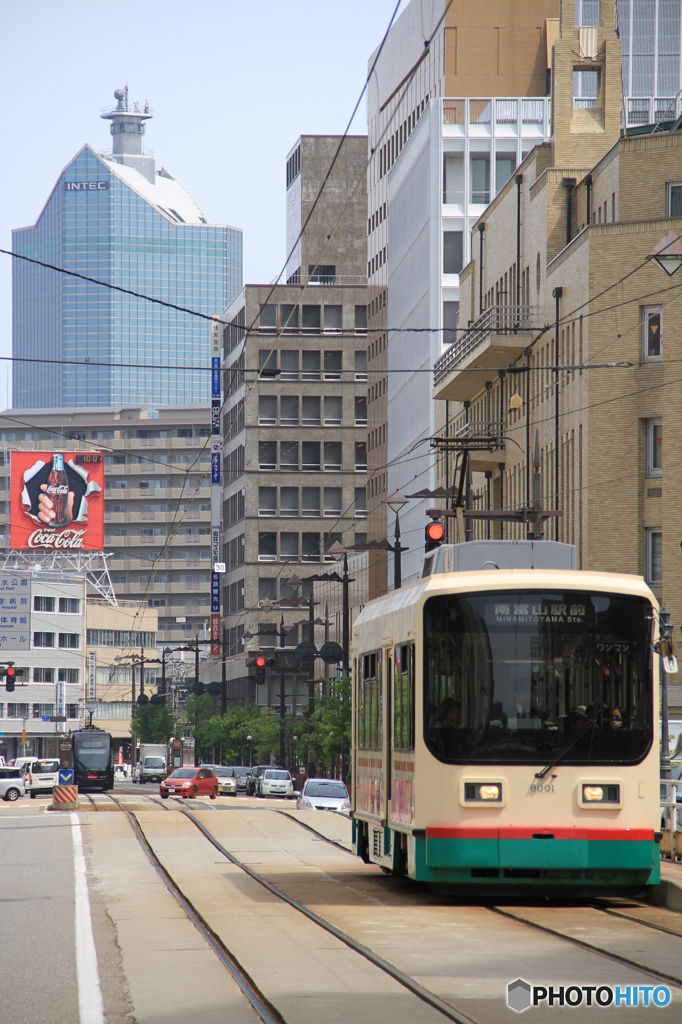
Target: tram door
[{"x": 388, "y": 731}]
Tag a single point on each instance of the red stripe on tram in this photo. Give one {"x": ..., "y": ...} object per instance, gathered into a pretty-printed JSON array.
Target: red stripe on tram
[{"x": 576, "y": 832}]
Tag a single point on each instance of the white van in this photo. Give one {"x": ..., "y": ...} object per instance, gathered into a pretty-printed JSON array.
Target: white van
[{"x": 40, "y": 776}]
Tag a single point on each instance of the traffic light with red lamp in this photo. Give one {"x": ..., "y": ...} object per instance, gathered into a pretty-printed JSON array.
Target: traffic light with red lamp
[
  {"x": 10, "y": 675},
  {"x": 433, "y": 536}
]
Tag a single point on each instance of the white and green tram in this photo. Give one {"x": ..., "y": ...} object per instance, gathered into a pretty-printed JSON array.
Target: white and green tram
[{"x": 505, "y": 723}]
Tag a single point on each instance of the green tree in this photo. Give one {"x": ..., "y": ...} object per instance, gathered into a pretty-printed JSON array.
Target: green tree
[
  {"x": 153, "y": 724},
  {"x": 199, "y": 714},
  {"x": 331, "y": 727}
]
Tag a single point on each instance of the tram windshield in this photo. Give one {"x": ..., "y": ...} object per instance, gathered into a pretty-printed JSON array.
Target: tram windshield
[
  {"x": 91, "y": 753},
  {"x": 512, "y": 677}
]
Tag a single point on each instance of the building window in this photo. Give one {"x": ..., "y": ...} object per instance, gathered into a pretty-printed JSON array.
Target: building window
[
  {"x": 311, "y": 502},
  {"x": 267, "y": 455},
  {"x": 322, "y": 273},
  {"x": 70, "y": 641},
  {"x": 333, "y": 405},
  {"x": 288, "y": 455},
  {"x": 267, "y": 501},
  {"x": 504, "y": 168},
  {"x": 43, "y": 675},
  {"x": 311, "y": 456},
  {"x": 361, "y": 319},
  {"x": 288, "y": 547},
  {"x": 333, "y": 365},
  {"x": 311, "y": 320},
  {"x": 453, "y": 178},
  {"x": 450, "y": 311},
  {"x": 654, "y": 447},
  {"x": 43, "y": 639},
  {"x": 267, "y": 410},
  {"x": 452, "y": 251},
  {"x": 311, "y": 411},
  {"x": 674, "y": 199},
  {"x": 360, "y": 411},
  {"x": 311, "y": 365},
  {"x": 654, "y": 557},
  {"x": 332, "y": 320},
  {"x": 652, "y": 325},
  {"x": 268, "y": 319},
  {"x": 289, "y": 319},
  {"x": 586, "y": 12},
  {"x": 288, "y": 410},
  {"x": 585, "y": 88},
  {"x": 310, "y": 547},
  {"x": 332, "y": 456},
  {"x": 267, "y": 547},
  {"x": 360, "y": 457},
  {"x": 361, "y": 365},
  {"x": 43, "y": 604},
  {"x": 69, "y": 605},
  {"x": 333, "y": 502},
  {"x": 288, "y": 501},
  {"x": 360, "y": 502},
  {"x": 289, "y": 364},
  {"x": 480, "y": 180}
]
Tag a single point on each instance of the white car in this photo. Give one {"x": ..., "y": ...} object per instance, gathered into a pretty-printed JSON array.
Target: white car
[
  {"x": 276, "y": 782},
  {"x": 11, "y": 783},
  {"x": 41, "y": 776},
  {"x": 323, "y": 795}
]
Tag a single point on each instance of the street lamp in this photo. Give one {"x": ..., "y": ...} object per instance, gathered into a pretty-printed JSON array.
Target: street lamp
[
  {"x": 668, "y": 253},
  {"x": 395, "y": 503},
  {"x": 249, "y": 740}
]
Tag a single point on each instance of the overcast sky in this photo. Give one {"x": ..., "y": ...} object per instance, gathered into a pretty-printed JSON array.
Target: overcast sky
[{"x": 232, "y": 83}]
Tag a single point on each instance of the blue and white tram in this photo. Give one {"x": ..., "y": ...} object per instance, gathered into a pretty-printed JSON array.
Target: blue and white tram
[{"x": 505, "y": 720}]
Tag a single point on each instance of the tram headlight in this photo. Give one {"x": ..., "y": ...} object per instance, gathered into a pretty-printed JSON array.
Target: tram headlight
[
  {"x": 593, "y": 793},
  {"x": 477, "y": 792},
  {"x": 489, "y": 792},
  {"x": 604, "y": 794}
]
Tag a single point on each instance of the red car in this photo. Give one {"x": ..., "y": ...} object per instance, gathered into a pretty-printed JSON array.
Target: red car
[{"x": 190, "y": 782}]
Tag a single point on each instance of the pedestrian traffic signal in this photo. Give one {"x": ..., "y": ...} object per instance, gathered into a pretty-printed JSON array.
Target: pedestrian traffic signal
[
  {"x": 433, "y": 535},
  {"x": 260, "y": 670},
  {"x": 10, "y": 676}
]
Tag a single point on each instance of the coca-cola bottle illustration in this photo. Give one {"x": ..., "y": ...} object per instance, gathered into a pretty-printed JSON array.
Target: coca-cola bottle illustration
[{"x": 58, "y": 491}]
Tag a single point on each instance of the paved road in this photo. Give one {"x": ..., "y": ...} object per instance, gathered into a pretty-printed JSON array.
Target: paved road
[{"x": 37, "y": 943}]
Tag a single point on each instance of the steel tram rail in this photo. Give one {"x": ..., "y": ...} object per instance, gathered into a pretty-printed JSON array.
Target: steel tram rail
[
  {"x": 257, "y": 1000},
  {"x": 581, "y": 944},
  {"x": 378, "y": 961}
]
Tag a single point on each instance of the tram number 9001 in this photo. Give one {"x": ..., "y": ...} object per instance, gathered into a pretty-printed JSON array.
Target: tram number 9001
[{"x": 540, "y": 787}]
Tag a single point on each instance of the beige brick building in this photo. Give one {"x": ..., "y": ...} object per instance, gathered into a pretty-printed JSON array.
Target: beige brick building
[{"x": 592, "y": 206}]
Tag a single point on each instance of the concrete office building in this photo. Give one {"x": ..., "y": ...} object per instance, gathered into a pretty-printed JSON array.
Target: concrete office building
[
  {"x": 42, "y": 618},
  {"x": 295, "y": 419},
  {"x": 157, "y": 519},
  {"x": 114, "y": 217},
  {"x": 497, "y": 54},
  {"x": 594, "y": 205},
  {"x": 483, "y": 81}
]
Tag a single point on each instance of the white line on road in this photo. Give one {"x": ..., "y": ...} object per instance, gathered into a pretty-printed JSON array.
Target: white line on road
[{"x": 90, "y": 1008}]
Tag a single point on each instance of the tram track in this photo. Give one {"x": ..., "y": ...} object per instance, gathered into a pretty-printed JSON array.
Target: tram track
[{"x": 445, "y": 1008}]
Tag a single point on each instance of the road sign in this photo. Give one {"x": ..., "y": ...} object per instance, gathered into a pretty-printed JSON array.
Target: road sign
[
  {"x": 65, "y": 777},
  {"x": 306, "y": 650},
  {"x": 219, "y": 567},
  {"x": 44, "y": 718},
  {"x": 57, "y": 718},
  {"x": 331, "y": 652}
]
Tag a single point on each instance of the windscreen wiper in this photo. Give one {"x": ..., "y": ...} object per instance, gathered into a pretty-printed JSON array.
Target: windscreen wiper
[{"x": 565, "y": 749}]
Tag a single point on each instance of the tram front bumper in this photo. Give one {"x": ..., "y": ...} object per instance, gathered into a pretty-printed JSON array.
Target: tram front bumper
[{"x": 615, "y": 856}]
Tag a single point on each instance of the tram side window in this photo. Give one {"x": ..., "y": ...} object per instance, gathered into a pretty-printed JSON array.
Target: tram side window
[
  {"x": 369, "y": 709},
  {"x": 403, "y": 699}
]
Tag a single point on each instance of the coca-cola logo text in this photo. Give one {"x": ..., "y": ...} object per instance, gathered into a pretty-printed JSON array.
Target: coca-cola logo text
[{"x": 50, "y": 539}]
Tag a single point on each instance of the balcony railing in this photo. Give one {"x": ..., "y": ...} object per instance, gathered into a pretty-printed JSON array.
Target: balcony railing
[
  {"x": 495, "y": 320},
  {"x": 490, "y": 112},
  {"x": 643, "y": 110}
]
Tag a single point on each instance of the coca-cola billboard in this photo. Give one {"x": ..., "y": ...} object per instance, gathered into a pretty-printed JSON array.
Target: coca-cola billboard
[{"x": 57, "y": 501}]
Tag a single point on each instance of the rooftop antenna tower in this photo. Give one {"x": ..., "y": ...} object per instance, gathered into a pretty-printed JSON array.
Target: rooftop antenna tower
[{"x": 127, "y": 129}]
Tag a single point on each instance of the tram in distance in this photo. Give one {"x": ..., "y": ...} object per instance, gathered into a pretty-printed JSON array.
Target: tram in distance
[
  {"x": 93, "y": 760},
  {"x": 505, "y": 724}
]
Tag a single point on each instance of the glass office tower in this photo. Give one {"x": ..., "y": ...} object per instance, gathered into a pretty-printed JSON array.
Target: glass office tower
[{"x": 116, "y": 219}]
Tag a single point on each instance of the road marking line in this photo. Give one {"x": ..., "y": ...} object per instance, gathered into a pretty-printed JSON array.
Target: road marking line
[{"x": 90, "y": 1007}]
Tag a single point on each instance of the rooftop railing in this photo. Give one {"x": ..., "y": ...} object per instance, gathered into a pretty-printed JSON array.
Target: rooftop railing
[
  {"x": 489, "y": 112},
  {"x": 643, "y": 110}
]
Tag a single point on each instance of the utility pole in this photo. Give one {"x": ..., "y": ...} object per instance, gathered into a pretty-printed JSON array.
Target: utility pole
[
  {"x": 311, "y": 680},
  {"x": 223, "y": 691},
  {"x": 557, "y": 293},
  {"x": 196, "y": 676},
  {"x": 282, "y": 696},
  {"x": 664, "y": 634}
]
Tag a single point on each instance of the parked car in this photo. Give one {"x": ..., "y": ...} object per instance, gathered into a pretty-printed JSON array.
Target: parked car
[
  {"x": 255, "y": 776},
  {"x": 227, "y": 780},
  {"x": 242, "y": 774},
  {"x": 323, "y": 795},
  {"x": 41, "y": 776},
  {"x": 276, "y": 782},
  {"x": 11, "y": 783},
  {"x": 190, "y": 782}
]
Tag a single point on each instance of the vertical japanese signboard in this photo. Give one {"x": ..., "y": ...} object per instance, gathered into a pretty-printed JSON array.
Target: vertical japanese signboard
[
  {"x": 216, "y": 330},
  {"x": 92, "y": 676},
  {"x": 15, "y": 612}
]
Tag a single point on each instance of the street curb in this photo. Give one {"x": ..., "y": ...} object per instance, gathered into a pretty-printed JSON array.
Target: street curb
[{"x": 667, "y": 894}]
